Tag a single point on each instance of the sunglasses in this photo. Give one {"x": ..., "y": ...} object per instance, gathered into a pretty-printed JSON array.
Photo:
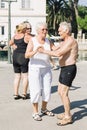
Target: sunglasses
[
  {"x": 44, "y": 29},
  {"x": 28, "y": 28}
]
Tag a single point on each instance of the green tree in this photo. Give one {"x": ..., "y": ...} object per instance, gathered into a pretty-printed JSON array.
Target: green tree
[
  {"x": 61, "y": 10},
  {"x": 56, "y": 10},
  {"x": 82, "y": 19},
  {"x": 73, "y": 6}
]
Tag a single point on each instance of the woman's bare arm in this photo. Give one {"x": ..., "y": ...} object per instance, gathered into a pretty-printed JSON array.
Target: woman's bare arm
[{"x": 29, "y": 51}]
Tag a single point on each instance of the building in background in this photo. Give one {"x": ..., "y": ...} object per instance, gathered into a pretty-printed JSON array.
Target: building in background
[{"x": 22, "y": 10}]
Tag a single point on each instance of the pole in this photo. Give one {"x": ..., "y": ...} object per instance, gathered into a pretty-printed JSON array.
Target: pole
[
  {"x": 9, "y": 27},
  {"x": 9, "y": 31}
]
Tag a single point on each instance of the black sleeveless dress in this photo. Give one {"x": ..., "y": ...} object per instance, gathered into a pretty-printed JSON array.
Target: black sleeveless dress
[{"x": 20, "y": 63}]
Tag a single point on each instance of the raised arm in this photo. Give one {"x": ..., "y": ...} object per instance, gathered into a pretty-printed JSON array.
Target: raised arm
[
  {"x": 60, "y": 51},
  {"x": 29, "y": 51}
]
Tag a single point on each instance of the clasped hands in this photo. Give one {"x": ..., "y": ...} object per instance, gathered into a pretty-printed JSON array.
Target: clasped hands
[{"x": 40, "y": 49}]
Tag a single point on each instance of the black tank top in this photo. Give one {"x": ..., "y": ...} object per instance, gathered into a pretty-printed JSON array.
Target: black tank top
[{"x": 21, "y": 45}]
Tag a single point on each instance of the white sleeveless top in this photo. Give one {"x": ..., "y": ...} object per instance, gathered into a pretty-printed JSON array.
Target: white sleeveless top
[{"x": 39, "y": 59}]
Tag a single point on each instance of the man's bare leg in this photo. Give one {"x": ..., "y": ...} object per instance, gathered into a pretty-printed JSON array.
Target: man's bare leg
[{"x": 63, "y": 92}]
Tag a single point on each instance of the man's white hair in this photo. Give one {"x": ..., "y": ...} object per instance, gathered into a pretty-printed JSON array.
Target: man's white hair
[{"x": 66, "y": 26}]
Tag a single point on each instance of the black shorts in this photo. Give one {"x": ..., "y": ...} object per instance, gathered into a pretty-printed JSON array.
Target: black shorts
[
  {"x": 67, "y": 74},
  {"x": 20, "y": 63}
]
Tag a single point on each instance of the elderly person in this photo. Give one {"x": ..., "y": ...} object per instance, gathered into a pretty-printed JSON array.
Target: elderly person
[
  {"x": 28, "y": 30},
  {"x": 67, "y": 52},
  {"x": 20, "y": 63},
  {"x": 40, "y": 75}
]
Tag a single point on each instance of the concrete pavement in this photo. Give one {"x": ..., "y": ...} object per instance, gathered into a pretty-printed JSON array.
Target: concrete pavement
[{"x": 17, "y": 114}]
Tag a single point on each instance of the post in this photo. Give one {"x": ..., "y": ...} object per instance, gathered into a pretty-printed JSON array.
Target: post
[
  {"x": 83, "y": 38},
  {"x": 9, "y": 27},
  {"x": 9, "y": 31}
]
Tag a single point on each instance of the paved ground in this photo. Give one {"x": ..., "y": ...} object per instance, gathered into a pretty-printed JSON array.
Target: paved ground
[{"x": 16, "y": 115}]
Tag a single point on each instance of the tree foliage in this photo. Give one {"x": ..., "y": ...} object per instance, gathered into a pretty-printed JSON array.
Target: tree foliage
[
  {"x": 58, "y": 11},
  {"x": 66, "y": 10},
  {"x": 83, "y": 23},
  {"x": 82, "y": 19}
]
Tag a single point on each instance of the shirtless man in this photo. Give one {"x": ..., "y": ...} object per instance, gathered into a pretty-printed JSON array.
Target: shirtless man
[{"x": 67, "y": 52}]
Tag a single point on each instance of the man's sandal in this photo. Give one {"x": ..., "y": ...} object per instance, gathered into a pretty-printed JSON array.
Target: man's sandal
[
  {"x": 60, "y": 116},
  {"x": 37, "y": 117},
  {"x": 65, "y": 121},
  {"x": 47, "y": 112}
]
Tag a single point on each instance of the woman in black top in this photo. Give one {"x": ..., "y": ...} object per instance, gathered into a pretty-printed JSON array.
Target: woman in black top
[{"x": 20, "y": 64}]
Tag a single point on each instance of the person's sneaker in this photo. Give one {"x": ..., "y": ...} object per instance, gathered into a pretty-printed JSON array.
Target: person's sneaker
[{"x": 37, "y": 117}]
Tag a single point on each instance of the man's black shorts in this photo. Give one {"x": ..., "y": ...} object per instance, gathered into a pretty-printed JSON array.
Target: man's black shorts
[{"x": 67, "y": 74}]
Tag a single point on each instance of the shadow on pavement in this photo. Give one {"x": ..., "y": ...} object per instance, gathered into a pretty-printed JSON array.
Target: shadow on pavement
[
  {"x": 82, "y": 109},
  {"x": 82, "y": 105},
  {"x": 54, "y": 88},
  {"x": 74, "y": 88}
]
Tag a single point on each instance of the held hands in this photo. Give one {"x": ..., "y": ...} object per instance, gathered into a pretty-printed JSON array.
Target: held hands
[{"x": 40, "y": 49}]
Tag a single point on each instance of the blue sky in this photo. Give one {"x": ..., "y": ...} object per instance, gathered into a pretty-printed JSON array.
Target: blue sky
[{"x": 83, "y": 2}]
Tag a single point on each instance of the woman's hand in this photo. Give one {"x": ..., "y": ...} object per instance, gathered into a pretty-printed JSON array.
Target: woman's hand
[
  {"x": 14, "y": 47},
  {"x": 40, "y": 49}
]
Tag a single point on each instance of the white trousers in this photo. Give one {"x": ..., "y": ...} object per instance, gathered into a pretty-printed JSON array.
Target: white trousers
[{"x": 40, "y": 83}]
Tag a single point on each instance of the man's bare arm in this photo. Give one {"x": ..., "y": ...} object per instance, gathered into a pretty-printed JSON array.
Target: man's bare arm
[{"x": 59, "y": 52}]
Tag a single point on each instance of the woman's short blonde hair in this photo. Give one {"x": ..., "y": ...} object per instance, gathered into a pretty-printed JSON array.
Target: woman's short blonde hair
[{"x": 21, "y": 27}]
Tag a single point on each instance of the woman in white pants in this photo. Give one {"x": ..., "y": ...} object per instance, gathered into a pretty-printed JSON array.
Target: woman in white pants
[{"x": 40, "y": 75}]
